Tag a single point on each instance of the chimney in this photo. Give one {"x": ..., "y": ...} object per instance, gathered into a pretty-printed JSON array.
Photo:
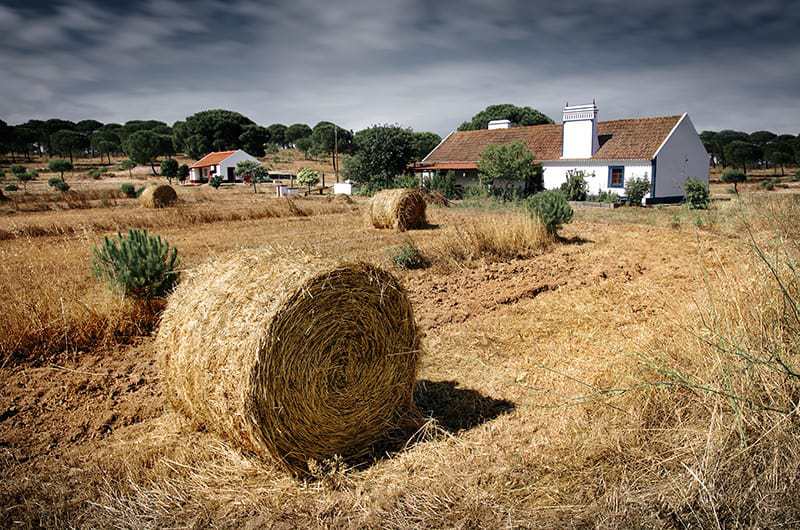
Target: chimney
[
  {"x": 580, "y": 131},
  {"x": 499, "y": 124}
]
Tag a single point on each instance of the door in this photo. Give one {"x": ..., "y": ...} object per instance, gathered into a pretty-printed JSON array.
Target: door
[{"x": 231, "y": 176}]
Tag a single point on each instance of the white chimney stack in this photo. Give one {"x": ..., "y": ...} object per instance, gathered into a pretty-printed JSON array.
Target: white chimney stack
[
  {"x": 499, "y": 124},
  {"x": 580, "y": 131}
]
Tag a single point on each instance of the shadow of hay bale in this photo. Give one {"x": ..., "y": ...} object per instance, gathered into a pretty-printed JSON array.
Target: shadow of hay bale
[{"x": 457, "y": 409}]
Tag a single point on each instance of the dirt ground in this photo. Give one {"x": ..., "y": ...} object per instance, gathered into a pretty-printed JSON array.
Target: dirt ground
[{"x": 515, "y": 354}]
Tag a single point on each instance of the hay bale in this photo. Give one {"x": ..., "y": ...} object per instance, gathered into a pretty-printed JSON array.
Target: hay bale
[
  {"x": 291, "y": 356},
  {"x": 402, "y": 209},
  {"x": 436, "y": 198},
  {"x": 159, "y": 196},
  {"x": 340, "y": 197}
]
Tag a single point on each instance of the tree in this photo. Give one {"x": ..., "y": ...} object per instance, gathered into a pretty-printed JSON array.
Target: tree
[
  {"x": 307, "y": 177},
  {"x": 384, "y": 151},
  {"x": 710, "y": 142},
  {"x": 24, "y": 178},
  {"x": 726, "y": 136},
  {"x": 129, "y": 165},
  {"x": 733, "y": 176},
  {"x": 210, "y": 130},
  {"x": 253, "y": 140},
  {"x": 277, "y": 134},
  {"x": 779, "y": 154},
  {"x": 183, "y": 173},
  {"x": 762, "y": 138},
  {"x": 251, "y": 171},
  {"x": 297, "y": 132},
  {"x": 331, "y": 139},
  {"x": 87, "y": 127},
  {"x": 143, "y": 147},
  {"x": 66, "y": 142},
  {"x": 305, "y": 145},
  {"x": 742, "y": 153},
  {"x": 60, "y": 166},
  {"x": 510, "y": 162},
  {"x": 18, "y": 169},
  {"x": 169, "y": 169},
  {"x": 423, "y": 143},
  {"x": 106, "y": 142},
  {"x": 505, "y": 111}
]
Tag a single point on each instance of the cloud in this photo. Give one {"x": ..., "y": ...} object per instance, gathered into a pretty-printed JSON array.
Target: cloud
[{"x": 428, "y": 65}]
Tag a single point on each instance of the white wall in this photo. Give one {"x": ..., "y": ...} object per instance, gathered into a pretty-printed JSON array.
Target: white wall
[
  {"x": 231, "y": 161},
  {"x": 681, "y": 156},
  {"x": 555, "y": 173},
  {"x": 579, "y": 139}
]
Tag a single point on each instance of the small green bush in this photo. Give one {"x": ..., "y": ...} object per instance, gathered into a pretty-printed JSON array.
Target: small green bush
[
  {"x": 445, "y": 183},
  {"x": 636, "y": 189},
  {"x": 11, "y": 187},
  {"x": 696, "y": 194},
  {"x": 796, "y": 176},
  {"x": 96, "y": 174},
  {"x": 575, "y": 188},
  {"x": 552, "y": 209},
  {"x": 408, "y": 256},
  {"x": 128, "y": 189},
  {"x": 18, "y": 169},
  {"x": 609, "y": 197},
  {"x": 215, "y": 182},
  {"x": 136, "y": 264},
  {"x": 183, "y": 172},
  {"x": 405, "y": 181},
  {"x": 767, "y": 185},
  {"x": 476, "y": 191},
  {"x": 58, "y": 184}
]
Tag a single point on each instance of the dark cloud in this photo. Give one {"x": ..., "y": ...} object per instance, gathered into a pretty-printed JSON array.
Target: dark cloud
[{"x": 425, "y": 64}]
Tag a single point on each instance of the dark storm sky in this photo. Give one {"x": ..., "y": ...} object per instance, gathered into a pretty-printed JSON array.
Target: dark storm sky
[{"x": 428, "y": 65}]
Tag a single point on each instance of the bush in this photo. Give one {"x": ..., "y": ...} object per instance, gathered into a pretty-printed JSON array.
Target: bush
[
  {"x": 476, "y": 191},
  {"x": 796, "y": 176},
  {"x": 128, "y": 190},
  {"x": 18, "y": 169},
  {"x": 445, "y": 183},
  {"x": 183, "y": 173},
  {"x": 58, "y": 184},
  {"x": 11, "y": 187},
  {"x": 551, "y": 208},
  {"x": 60, "y": 166},
  {"x": 96, "y": 174},
  {"x": 733, "y": 176},
  {"x": 636, "y": 189},
  {"x": 609, "y": 197},
  {"x": 575, "y": 188},
  {"x": 215, "y": 182},
  {"x": 696, "y": 194},
  {"x": 169, "y": 169},
  {"x": 408, "y": 256},
  {"x": 400, "y": 181},
  {"x": 767, "y": 185},
  {"x": 138, "y": 264}
]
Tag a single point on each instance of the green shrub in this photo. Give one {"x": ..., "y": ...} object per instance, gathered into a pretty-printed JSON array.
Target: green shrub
[
  {"x": 136, "y": 264},
  {"x": 767, "y": 185},
  {"x": 445, "y": 183},
  {"x": 733, "y": 176},
  {"x": 18, "y": 169},
  {"x": 2, "y": 175},
  {"x": 796, "y": 176},
  {"x": 609, "y": 197},
  {"x": 59, "y": 166},
  {"x": 58, "y": 184},
  {"x": 575, "y": 188},
  {"x": 696, "y": 194},
  {"x": 169, "y": 169},
  {"x": 183, "y": 173},
  {"x": 408, "y": 256},
  {"x": 215, "y": 182},
  {"x": 405, "y": 181},
  {"x": 11, "y": 187},
  {"x": 128, "y": 189},
  {"x": 552, "y": 209},
  {"x": 95, "y": 173},
  {"x": 636, "y": 189},
  {"x": 476, "y": 191}
]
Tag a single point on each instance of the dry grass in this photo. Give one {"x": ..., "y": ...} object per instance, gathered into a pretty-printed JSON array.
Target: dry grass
[
  {"x": 499, "y": 236},
  {"x": 644, "y": 389},
  {"x": 291, "y": 356}
]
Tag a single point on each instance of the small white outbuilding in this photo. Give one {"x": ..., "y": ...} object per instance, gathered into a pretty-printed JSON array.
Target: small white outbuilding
[{"x": 222, "y": 163}]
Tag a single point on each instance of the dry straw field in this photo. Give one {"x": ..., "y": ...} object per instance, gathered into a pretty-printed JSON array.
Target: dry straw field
[{"x": 639, "y": 370}]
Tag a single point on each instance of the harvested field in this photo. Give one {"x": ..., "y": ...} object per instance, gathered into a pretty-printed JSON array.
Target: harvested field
[{"x": 585, "y": 382}]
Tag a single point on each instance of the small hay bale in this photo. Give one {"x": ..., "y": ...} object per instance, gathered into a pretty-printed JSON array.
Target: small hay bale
[
  {"x": 402, "y": 209},
  {"x": 159, "y": 196},
  {"x": 293, "y": 357},
  {"x": 341, "y": 197}
]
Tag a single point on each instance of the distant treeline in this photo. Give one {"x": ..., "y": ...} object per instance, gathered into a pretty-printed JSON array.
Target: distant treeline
[
  {"x": 758, "y": 149},
  {"x": 144, "y": 141}
]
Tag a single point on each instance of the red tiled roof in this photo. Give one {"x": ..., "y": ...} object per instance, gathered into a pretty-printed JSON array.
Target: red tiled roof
[
  {"x": 632, "y": 139},
  {"x": 212, "y": 159}
]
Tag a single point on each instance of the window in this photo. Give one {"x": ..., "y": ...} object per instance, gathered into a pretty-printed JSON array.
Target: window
[{"x": 616, "y": 176}]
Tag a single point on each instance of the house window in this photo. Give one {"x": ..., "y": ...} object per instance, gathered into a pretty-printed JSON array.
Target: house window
[{"x": 616, "y": 176}]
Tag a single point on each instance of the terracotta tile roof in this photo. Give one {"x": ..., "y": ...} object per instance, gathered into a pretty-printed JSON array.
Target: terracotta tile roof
[
  {"x": 632, "y": 139},
  {"x": 212, "y": 159}
]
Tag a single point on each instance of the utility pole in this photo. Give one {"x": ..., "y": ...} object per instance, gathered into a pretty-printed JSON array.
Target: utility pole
[{"x": 336, "y": 151}]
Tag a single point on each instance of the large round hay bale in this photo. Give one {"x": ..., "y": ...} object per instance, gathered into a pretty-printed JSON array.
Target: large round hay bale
[
  {"x": 401, "y": 209},
  {"x": 291, "y": 356},
  {"x": 159, "y": 196}
]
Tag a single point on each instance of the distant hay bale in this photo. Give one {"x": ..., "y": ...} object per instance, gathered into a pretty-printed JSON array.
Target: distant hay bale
[
  {"x": 291, "y": 356},
  {"x": 341, "y": 197},
  {"x": 159, "y": 196},
  {"x": 402, "y": 209}
]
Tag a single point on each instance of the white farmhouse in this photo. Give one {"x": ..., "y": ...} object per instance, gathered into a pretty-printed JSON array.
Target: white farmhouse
[
  {"x": 222, "y": 163},
  {"x": 663, "y": 150}
]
